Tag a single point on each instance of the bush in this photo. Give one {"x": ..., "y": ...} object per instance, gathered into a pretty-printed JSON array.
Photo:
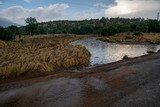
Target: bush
[
  {"x": 6, "y": 34},
  {"x": 109, "y": 30},
  {"x": 138, "y": 27}
]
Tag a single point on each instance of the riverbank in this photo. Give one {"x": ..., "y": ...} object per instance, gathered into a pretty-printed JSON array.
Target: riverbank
[
  {"x": 129, "y": 38},
  {"x": 82, "y": 72},
  {"x": 131, "y": 82},
  {"x": 40, "y": 55}
]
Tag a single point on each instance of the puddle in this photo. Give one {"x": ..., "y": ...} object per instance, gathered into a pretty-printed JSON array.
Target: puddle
[{"x": 103, "y": 52}]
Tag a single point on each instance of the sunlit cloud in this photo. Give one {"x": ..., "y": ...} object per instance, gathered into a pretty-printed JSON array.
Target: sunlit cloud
[
  {"x": 98, "y": 9},
  {"x": 133, "y": 8}
]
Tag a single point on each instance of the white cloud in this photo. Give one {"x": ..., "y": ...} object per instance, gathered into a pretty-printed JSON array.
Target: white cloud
[
  {"x": 96, "y": 11},
  {"x": 18, "y": 13},
  {"x": 133, "y": 8},
  {"x": 91, "y": 13}
]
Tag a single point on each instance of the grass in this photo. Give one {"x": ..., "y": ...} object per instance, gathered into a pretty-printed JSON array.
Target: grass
[
  {"x": 130, "y": 38},
  {"x": 36, "y": 55}
]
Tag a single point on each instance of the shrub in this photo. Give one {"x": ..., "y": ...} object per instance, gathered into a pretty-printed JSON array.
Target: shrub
[
  {"x": 6, "y": 34},
  {"x": 109, "y": 30}
]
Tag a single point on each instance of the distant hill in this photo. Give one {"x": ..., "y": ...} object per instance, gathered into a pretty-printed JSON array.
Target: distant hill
[{"x": 6, "y": 23}]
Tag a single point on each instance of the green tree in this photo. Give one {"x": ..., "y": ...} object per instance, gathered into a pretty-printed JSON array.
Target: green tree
[
  {"x": 32, "y": 25},
  {"x": 41, "y": 30},
  {"x": 104, "y": 26},
  {"x": 6, "y": 34},
  {"x": 153, "y": 26},
  {"x": 103, "y": 20},
  {"x": 1, "y": 31},
  {"x": 109, "y": 30},
  {"x": 14, "y": 29},
  {"x": 86, "y": 29},
  {"x": 138, "y": 27}
]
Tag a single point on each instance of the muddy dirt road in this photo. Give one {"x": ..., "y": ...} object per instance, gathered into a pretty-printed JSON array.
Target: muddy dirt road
[{"x": 130, "y": 83}]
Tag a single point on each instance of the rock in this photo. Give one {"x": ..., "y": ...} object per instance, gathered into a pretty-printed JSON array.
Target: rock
[
  {"x": 125, "y": 57},
  {"x": 150, "y": 52}
]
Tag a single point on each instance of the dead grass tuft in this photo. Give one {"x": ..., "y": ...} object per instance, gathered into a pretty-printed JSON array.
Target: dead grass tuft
[
  {"x": 40, "y": 54},
  {"x": 124, "y": 37}
]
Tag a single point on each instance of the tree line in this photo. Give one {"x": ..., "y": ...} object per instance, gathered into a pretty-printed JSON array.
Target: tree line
[{"x": 103, "y": 27}]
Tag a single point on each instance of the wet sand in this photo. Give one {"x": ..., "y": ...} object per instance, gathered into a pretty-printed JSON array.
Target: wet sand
[{"x": 128, "y": 83}]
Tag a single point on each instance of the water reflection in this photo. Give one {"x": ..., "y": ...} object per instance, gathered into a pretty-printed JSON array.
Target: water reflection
[{"x": 103, "y": 53}]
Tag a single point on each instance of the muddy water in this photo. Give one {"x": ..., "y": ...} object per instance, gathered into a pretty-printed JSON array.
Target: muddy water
[{"x": 103, "y": 52}]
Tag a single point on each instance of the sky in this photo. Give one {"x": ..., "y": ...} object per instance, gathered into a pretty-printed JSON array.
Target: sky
[{"x": 47, "y": 10}]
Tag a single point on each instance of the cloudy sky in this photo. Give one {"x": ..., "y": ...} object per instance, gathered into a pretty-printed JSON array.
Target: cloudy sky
[{"x": 46, "y": 10}]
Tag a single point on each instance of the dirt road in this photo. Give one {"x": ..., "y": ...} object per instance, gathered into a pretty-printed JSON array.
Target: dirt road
[{"x": 129, "y": 83}]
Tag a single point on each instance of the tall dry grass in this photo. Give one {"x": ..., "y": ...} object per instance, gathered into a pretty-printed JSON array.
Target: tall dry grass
[
  {"x": 124, "y": 37},
  {"x": 40, "y": 55}
]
